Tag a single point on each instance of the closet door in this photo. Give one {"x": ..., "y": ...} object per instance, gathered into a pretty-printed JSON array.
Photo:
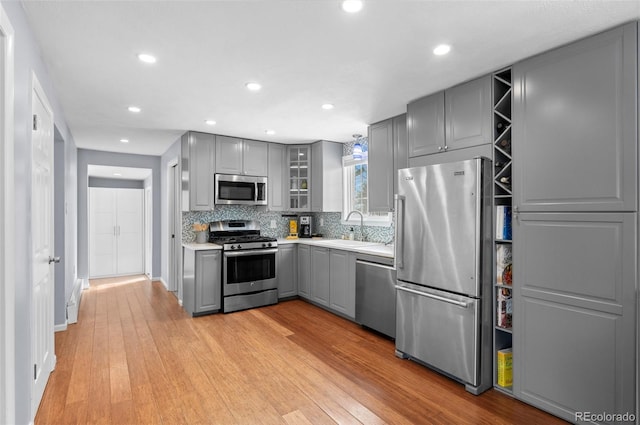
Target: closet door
[
  {"x": 130, "y": 231},
  {"x": 102, "y": 232}
]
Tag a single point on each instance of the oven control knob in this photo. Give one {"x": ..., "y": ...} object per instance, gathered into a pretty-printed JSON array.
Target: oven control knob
[
  {"x": 264, "y": 245},
  {"x": 233, "y": 247},
  {"x": 239, "y": 247},
  {"x": 269, "y": 244}
]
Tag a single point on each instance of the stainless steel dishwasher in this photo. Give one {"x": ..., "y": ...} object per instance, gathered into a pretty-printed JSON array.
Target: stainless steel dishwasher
[{"x": 376, "y": 293}]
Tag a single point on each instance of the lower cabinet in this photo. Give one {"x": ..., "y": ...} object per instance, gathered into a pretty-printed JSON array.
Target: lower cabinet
[
  {"x": 304, "y": 271},
  {"x": 320, "y": 275},
  {"x": 343, "y": 282},
  {"x": 286, "y": 270},
  {"x": 201, "y": 281},
  {"x": 327, "y": 277}
]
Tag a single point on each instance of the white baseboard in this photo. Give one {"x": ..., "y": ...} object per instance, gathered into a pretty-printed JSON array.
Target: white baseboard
[
  {"x": 156, "y": 278},
  {"x": 73, "y": 305},
  {"x": 163, "y": 283},
  {"x": 60, "y": 328}
]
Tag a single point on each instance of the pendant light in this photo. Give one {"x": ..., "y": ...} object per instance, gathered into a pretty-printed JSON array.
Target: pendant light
[{"x": 357, "y": 147}]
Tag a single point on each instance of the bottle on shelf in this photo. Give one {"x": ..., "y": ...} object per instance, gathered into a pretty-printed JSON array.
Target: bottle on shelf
[{"x": 505, "y": 180}]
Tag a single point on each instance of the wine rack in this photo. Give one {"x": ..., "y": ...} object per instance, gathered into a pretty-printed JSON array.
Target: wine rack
[{"x": 503, "y": 195}]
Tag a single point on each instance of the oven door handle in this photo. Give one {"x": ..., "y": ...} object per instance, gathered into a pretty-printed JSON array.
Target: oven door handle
[{"x": 250, "y": 252}]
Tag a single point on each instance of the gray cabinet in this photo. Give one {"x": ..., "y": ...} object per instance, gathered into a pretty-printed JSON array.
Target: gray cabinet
[
  {"x": 468, "y": 114},
  {"x": 241, "y": 157},
  {"x": 459, "y": 117},
  {"x": 276, "y": 174},
  {"x": 574, "y": 312},
  {"x": 575, "y": 121},
  {"x": 304, "y": 271},
  {"x": 425, "y": 125},
  {"x": 287, "y": 270},
  {"x": 298, "y": 178},
  {"x": 202, "y": 273},
  {"x": 228, "y": 155},
  {"x": 575, "y": 232},
  {"x": 326, "y": 176},
  {"x": 400, "y": 149},
  {"x": 320, "y": 275},
  {"x": 198, "y": 169},
  {"x": 343, "y": 282},
  {"x": 254, "y": 153},
  {"x": 381, "y": 166}
]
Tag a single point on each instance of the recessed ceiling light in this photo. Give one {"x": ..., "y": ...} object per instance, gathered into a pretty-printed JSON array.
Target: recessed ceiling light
[
  {"x": 134, "y": 109},
  {"x": 327, "y": 106},
  {"x": 352, "y": 6},
  {"x": 270, "y": 132},
  {"x": 210, "y": 122},
  {"x": 147, "y": 58},
  {"x": 124, "y": 140},
  {"x": 117, "y": 174},
  {"x": 253, "y": 86},
  {"x": 442, "y": 49}
]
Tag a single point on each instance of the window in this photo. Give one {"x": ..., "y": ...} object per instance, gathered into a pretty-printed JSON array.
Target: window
[{"x": 356, "y": 191}]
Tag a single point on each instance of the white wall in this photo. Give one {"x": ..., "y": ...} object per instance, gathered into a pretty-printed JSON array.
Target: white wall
[{"x": 28, "y": 60}]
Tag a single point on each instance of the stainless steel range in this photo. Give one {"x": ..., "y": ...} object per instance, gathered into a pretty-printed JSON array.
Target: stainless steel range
[{"x": 248, "y": 266}]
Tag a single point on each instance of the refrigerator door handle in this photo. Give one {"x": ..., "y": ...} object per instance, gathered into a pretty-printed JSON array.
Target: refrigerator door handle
[
  {"x": 435, "y": 297},
  {"x": 399, "y": 245}
]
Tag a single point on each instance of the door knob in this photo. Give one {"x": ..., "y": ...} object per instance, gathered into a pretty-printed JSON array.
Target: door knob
[{"x": 54, "y": 260}]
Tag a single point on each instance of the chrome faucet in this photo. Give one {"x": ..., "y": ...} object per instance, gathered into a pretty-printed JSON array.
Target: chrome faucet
[{"x": 361, "y": 221}]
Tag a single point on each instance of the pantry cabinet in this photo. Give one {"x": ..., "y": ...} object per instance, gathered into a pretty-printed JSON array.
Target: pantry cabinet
[
  {"x": 457, "y": 118},
  {"x": 575, "y": 155},
  {"x": 198, "y": 171},
  {"x": 241, "y": 157},
  {"x": 287, "y": 270},
  {"x": 201, "y": 281}
]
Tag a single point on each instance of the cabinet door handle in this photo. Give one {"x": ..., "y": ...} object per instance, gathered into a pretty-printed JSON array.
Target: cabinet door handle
[{"x": 399, "y": 245}]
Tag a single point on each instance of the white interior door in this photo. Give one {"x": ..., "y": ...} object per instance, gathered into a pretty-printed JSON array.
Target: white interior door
[
  {"x": 102, "y": 232},
  {"x": 42, "y": 346},
  {"x": 130, "y": 231},
  {"x": 116, "y": 232}
]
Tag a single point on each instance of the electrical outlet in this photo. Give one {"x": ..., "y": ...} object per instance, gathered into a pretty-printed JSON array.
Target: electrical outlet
[
  {"x": 273, "y": 224},
  {"x": 321, "y": 221}
]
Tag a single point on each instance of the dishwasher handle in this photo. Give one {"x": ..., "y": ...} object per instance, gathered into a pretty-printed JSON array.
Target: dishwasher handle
[
  {"x": 369, "y": 263},
  {"x": 433, "y": 296}
]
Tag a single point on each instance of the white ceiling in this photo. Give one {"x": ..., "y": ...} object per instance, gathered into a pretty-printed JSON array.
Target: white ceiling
[{"x": 304, "y": 53}]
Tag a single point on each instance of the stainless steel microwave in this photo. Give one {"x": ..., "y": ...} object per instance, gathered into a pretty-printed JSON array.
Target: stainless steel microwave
[{"x": 240, "y": 190}]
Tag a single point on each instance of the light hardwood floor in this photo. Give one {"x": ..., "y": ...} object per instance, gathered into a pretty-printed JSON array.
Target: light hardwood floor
[{"x": 135, "y": 357}]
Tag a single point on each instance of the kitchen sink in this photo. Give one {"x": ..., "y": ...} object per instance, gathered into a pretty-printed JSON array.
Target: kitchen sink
[{"x": 385, "y": 250}]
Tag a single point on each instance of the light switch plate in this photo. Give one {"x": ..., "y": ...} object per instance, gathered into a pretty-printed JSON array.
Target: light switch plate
[{"x": 273, "y": 224}]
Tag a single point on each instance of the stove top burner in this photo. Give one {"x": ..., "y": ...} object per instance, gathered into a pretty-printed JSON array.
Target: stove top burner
[
  {"x": 241, "y": 239},
  {"x": 239, "y": 235}
]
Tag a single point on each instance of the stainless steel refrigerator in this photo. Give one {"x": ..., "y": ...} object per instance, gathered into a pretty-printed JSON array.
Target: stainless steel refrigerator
[{"x": 444, "y": 268}]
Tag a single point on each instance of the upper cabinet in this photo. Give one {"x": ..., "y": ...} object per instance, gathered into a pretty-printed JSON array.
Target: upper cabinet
[
  {"x": 574, "y": 126},
  {"x": 298, "y": 181},
  {"x": 198, "y": 168},
  {"x": 425, "y": 125},
  {"x": 459, "y": 117},
  {"x": 326, "y": 176},
  {"x": 276, "y": 174},
  {"x": 241, "y": 157},
  {"x": 387, "y": 154}
]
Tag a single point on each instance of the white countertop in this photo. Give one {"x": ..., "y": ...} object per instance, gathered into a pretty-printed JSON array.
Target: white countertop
[
  {"x": 200, "y": 246},
  {"x": 371, "y": 248}
]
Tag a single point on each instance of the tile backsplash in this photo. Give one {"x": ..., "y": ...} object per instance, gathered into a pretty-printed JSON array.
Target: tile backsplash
[{"x": 331, "y": 223}]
